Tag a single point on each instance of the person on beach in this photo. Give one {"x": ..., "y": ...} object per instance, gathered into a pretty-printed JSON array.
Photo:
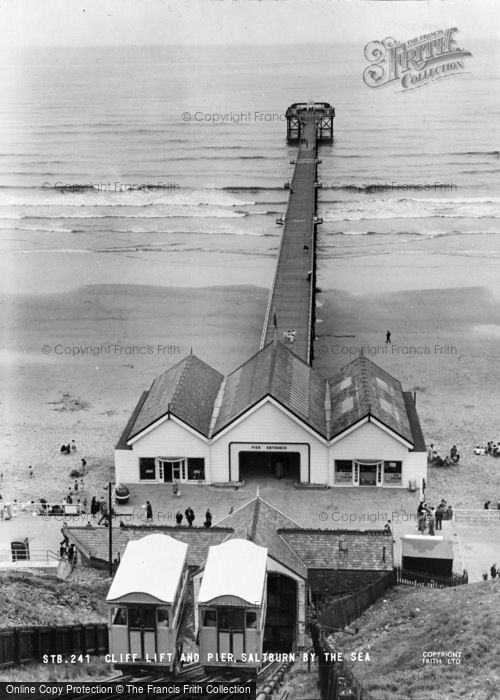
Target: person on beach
[
  {"x": 454, "y": 456},
  {"x": 487, "y": 505},
  {"x": 30, "y": 472},
  {"x": 388, "y": 337},
  {"x": 493, "y": 570},
  {"x": 75, "y": 486},
  {"x": 84, "y": 464},
  {"x": 430, "y": 452},
  {"x": 178, "y": 518},
  {"x": 73, "y": 446}
]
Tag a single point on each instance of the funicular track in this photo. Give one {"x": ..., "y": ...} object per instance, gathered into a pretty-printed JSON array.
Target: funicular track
[{"x": 152, "y": 683}]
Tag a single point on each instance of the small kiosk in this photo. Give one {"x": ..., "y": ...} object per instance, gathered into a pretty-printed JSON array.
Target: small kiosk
[
  {"x": 231, "y": 605},
  {"x": 429, "y": 554},
  {"x": 145, "y": 603}
]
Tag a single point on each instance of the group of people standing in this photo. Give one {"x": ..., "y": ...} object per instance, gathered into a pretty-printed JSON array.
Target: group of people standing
[
  {"x": 100, "y": 507},
  {"x": 190, "y": 517},
  {"x": 493, "y": 572},
  {"x": 431, "y": 519}
]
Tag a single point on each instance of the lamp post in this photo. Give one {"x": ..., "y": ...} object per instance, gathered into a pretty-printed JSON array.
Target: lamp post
[{"x": 110, "y": 527}]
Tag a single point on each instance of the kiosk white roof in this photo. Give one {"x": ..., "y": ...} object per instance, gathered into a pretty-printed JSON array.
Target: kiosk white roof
[
  {"x": 234, "y": 568},
  {"x": 428, "y": 546},
  {"x": 153, "y": 566}
]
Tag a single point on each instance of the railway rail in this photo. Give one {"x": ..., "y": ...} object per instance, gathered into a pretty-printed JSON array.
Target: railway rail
[{"x": 151, "y": 684}]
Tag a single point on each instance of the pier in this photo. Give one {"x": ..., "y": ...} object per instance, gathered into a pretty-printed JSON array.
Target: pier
[{"x": 290, "y": 313}]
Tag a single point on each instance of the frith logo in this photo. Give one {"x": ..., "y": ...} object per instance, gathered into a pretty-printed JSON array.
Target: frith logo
[{"x": 416, "y": 62}]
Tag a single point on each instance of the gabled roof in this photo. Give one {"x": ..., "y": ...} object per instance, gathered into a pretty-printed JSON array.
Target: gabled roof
[
  {"x": 274, "y": 371},
  {"x": 234, "y": 568},
  {"x": 258, "y": 521},
  {"x": 362, "y": 389},
  {"x": 187, "y": 391},
  {"x": 93, "y": 542},
  {"x": 152, "y": 565},
  {"x": 197, "y": 394}
]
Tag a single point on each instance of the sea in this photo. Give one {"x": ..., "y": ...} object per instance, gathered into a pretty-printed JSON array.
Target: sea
[{"x": 179, "y": 155}]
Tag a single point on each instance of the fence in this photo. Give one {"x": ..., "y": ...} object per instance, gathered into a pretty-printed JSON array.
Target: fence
[
  {"x": 340, "y": 612},
  {"x": 336, "y": 681},
  {"x": 39, "y": 556},
  {"x": 419, "y": 578},
  {"x": 21, "y": 645}
]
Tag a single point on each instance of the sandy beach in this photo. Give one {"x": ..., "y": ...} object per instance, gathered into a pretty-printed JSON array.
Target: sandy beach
[{"x": 444, "y": 342}]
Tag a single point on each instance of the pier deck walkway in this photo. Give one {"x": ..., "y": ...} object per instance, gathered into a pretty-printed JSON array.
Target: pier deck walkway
[{"x": 291, "y": 301}]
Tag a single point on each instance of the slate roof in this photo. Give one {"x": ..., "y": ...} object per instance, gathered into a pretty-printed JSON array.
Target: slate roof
[
  {"x": 94, "y": 541},
  {"x": 298, "y": 549},
  {"x": 122, "y": 442},
  {"x": 362, "y": 388},
  {"x": 416, "y": 429},
  {"x": 368, "y": 550},
  {"x": 275, "y": 371},
  {"x": 188, "y": 390},
  {"x": 258, "y": 521}
]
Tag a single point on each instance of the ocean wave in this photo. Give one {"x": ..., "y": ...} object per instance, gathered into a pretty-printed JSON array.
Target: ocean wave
[
  {"x": 250, "y": 188},
  {"x": 191, "y": 214},
  {"x": 141, "y": 231},
  {"x": 129, "y": 199}
]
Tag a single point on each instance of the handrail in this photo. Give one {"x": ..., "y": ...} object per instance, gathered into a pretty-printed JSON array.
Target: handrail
[
  {"x": 276, "y": 268},
  {"x": 33, "y": 555}
]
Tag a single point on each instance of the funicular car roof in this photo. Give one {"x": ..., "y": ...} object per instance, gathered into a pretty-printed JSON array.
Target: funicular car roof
[
  {"x": 234, "y": 568},
  {"x": 152, "y": 565}
]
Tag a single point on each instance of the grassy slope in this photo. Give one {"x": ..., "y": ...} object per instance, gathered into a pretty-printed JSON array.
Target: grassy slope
[
  {"x": 39, "y": 600},
  {"x": 408, "y": 621}
]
